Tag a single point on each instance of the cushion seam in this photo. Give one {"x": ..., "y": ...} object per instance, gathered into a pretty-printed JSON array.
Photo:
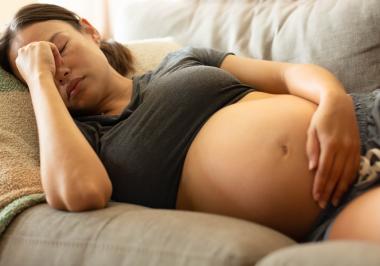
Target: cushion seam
[{"x": 121, "y": 249}]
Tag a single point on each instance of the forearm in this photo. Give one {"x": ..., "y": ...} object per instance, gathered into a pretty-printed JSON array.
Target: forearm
[
  {"x": 312, "y": 82},
  {"x": 308, "y": 81},
  {"x": 73, "y": 176}
]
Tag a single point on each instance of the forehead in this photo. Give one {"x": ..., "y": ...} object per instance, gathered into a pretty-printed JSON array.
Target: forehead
[{"x": 39, "y": 31}]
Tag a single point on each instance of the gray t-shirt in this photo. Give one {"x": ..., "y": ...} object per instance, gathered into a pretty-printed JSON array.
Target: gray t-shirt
[{"x": 144, "y": 148}]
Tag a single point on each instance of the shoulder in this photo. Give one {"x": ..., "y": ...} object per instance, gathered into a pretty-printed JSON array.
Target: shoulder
[{"x": 197, "y": 55}]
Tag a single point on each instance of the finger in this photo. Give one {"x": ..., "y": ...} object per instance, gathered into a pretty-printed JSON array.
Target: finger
[
  {"x": 322, "y": 174},
  {"x": 335, "y": 177},
  {"x": 328, "y": 185},
  {"x": 312, "y": 148},
  {"x": 57, "y": 56},
  {"x": 345, "y": 181}
]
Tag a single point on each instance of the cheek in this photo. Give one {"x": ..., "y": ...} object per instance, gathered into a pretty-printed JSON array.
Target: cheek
[{"x": 94, "y": 61}]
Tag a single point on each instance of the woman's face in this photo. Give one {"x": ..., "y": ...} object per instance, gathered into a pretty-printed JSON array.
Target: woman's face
[{"x": 82, "y": 60}]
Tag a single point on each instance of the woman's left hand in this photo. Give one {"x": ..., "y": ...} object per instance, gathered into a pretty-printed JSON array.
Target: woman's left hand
[{"x": 333, "y": 148}]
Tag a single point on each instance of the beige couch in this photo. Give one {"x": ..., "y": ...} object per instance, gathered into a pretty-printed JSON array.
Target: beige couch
[
  {"x": 126, "y": 234},
  {"x": 341, "y": 35}
]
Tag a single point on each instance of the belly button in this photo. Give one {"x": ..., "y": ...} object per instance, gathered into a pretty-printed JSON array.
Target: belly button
[{"x": 284, "y": 149}]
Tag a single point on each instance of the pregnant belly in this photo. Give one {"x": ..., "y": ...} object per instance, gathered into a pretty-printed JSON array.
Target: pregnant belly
[{"x": 249, "y": 161}]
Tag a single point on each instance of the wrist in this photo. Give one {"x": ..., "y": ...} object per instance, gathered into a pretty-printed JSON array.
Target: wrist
[
  {"x": 335, "y": 93},
  {"x": 336, "y": 99},
  {"x": 40, "y": 80}
]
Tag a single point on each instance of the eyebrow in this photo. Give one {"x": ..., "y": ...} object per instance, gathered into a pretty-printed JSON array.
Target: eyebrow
[{"x": 51, "y": 39}]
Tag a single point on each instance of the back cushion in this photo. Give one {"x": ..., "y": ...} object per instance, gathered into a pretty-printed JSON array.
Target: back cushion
[{"x": 341, "y": 35}]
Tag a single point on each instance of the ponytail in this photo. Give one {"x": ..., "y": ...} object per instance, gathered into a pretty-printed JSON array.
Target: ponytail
[{"x": 119, "y": 56}]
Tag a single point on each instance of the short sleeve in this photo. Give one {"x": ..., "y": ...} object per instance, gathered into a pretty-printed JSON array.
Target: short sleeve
[
  {"x": 207, "y": 56},
  {"x": 185, "y": 57}
]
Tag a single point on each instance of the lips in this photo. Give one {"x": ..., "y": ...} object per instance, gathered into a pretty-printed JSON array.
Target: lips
[{"x": 72, "y": 86}]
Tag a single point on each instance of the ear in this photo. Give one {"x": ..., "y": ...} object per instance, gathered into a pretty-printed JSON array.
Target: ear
[{"x": 89, "y": 29}]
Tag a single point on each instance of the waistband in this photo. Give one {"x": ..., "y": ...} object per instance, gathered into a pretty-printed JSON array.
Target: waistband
[{"x": 363, "y": 103}]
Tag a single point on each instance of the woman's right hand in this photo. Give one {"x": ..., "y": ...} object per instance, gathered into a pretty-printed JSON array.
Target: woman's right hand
[{"x": 38, "y": 59}]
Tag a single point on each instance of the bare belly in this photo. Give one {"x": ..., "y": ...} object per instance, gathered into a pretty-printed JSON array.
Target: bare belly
[{"x": 249, "y": 161}]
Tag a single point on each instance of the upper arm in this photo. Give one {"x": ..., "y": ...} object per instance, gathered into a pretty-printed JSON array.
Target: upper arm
[{"x": 263, "y": 75}]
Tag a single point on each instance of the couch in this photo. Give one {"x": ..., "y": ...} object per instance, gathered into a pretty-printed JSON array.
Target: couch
[{"x": 335, "y": 34}]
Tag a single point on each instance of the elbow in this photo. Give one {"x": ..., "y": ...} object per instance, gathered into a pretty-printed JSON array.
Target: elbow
[
  {"x": 78, "y": 201},
  {"x": 86, "y": 202}
]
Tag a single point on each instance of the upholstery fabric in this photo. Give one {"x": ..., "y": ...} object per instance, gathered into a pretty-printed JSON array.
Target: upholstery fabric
[
  {"x": 19, "y": 157},
  {"x": 126, "y": 234},
  {"x": 148, "y": 53},
  {"x": 341, "y": 35},
  {"x": 347, "y": 253}
]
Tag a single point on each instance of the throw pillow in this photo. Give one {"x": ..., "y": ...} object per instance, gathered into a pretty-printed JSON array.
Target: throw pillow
[{"x": 19, "y": 159}]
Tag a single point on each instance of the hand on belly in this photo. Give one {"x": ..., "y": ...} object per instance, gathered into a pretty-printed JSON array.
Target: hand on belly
[{"x": 249, "y": 161}]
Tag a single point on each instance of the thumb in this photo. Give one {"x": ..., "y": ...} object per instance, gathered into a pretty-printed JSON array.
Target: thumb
[{"x": 312, "y": 147}]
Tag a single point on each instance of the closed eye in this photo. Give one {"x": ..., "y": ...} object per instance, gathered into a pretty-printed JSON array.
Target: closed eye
[{"x": 63, "y": 48}]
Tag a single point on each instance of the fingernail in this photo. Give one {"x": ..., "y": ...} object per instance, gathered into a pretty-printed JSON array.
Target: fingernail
[
  {"x": 322, "y": 204},
  {"x": 311, "y": 165}
]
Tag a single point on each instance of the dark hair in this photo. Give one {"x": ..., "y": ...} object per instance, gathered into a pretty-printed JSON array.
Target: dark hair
[{"x": 119, "y": 56}]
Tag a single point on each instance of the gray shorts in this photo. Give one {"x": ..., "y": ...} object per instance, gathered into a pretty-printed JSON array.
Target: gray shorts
[{"x": 367, "y": 106}]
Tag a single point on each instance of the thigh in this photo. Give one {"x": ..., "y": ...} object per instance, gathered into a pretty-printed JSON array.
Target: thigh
[{"x": 360, "y": 219}]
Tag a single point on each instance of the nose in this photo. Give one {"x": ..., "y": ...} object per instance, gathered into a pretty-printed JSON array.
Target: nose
[{"x": 62, "y": 75}]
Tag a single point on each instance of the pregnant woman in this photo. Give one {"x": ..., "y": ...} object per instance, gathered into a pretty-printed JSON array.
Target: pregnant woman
[{"x": 270, "y": 142}]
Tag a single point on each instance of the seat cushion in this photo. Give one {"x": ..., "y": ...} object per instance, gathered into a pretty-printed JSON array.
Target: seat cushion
[
  {"x": 126, "y": 234},
  {"x": 332, "y": 253},
  {"x": 341, "y": 35}
]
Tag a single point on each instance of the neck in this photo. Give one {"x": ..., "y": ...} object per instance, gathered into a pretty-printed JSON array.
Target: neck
[{"x": 118, "y": 96}]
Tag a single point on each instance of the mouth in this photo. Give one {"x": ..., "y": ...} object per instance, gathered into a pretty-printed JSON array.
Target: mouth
[{"x": 73, "y": 87}]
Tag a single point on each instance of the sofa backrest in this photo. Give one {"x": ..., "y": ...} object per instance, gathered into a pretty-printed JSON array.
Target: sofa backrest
[{"x": 341, "y": 35}]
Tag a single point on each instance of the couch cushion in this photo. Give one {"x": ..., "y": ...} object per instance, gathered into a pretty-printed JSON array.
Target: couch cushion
[
  {"x": 331, "y": 253},
  {"x": 126, "y": 234},
  {"x": 341, "y": 35},
  {"x": 147, "y": 54}
]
